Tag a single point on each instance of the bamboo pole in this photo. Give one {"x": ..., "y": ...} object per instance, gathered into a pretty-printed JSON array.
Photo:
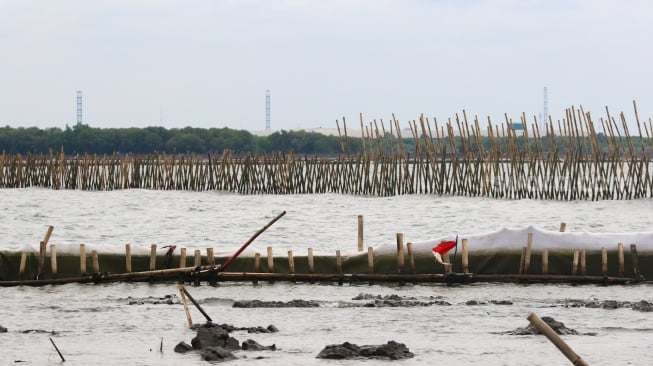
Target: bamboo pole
[
  {"x": 411, "y": 257},
  {"x": 545, "y": 262},
  {"x": 563, "y": 226},
  {"x": 183, "y": 300},
  {"x": 291, "y": 263},
  {"x": 182, "y": 258},
  {"x": 556, "y": 340},
  {"x": 522, "y": 260},
  {"x": 465, "y": 257},
  {"x": 257, "y": 266},
  {"x": 96, "y": 262},
  {"x": 400, "y": 252},
  {"x": 197, "y": 305},
  {"x": 620, "y": 256},
  {"x": 82, "y": 259},
  {"x": 152, "y": 257},
  {"x": 311, "y": 263},
  {"x": 42, "y": 249},
  {"x": 210, "y": 257},
  {"x": 574, "y": 269},
  {"x": 338, "y": 262},
  {"x": 197, "y": 258},
  {"x": 635, "y": 260},
  {"x": 23, "y": 262},
  {"x": 583, "y": 263},
  {"x": 270, "y": 260},
  {"x": 360, "y": 233},
  {"x": 527, "y": 258},
  {"x": 128, "y": 259},
  {"x": 53, "y": 260},
  {"x": 370, "y": 260},
  {"x": 604, "y": 261}
]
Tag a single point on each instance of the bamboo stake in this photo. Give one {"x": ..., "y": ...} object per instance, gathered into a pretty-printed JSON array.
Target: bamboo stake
[
  {"x": 291, "y": 263},
  {"x": 311, "y": 264},
  {"x": 210, "y": 257},
  {"x": 23, "y": 262},
  {"x": 556, "y": 340},
  {"x": 563, "y": 226},
  {"x": 620, "y": 256},
  {"x": 545, "y": 261},
  {"x": 527, "y": 258},
  {"x": 338, "y": 262},
  {"x": 574, "y": 266},
  {"x": 604, "y": 261},
  {"x": 635, "y": 260},
  {"x": 197, "y": 258},
  {"x": 128, "y": 259},
  {"x": 152, "y": 257},
  {"x": 42, "y": 249},
  {"x": 57, "y": 349},
  {"x": 583, "y": 263},
  {"x": 53, "y": 260},
  {"x": 360, "y": 233},
  {"x": 370, "y": 260},
  {"x": 197, "y": 305},
  {"x": 96, "y": 262},
  {"x": 182, "y": 258},
  {"x": 411, "y": 257},
  {"x": 465, "y": 257},
  {"x": 270, "y": 260},
  {"x": 400, "y": 252},
  {"x": 183, "y": 300},
  {"x": 82, "y": 259}
]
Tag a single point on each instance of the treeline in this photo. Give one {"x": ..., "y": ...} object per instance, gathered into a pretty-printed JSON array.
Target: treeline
[{"x": 85, "y": 139}]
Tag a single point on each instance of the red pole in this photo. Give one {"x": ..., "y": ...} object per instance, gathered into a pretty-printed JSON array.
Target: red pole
[{"x": 226, "y": 264}]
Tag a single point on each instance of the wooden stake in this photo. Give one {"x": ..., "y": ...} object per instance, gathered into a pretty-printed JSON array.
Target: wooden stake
[
  {"x": 556, "y": 340},
  {"x": 338, "y": 262},
  {"x": 527, "y": 258},
  {"x": 210, "y": 257},
  {"x": 291, "y": 263},
  {"x": 270, "y": 260},
  {"x": 545, "y": 261},
  {"x": 563, "y": 226},
  {"x": 311, "y": 264},
  {"x": 465, "y": 257},
  {"x": 197, "y": 305},
  {"x": 57, "y": 349},
  {"x": 583, "y": 263},
  {"x": 182, "y": 258},
  {"x": 411, "y": 257},
  {"x": 23, "y": 262},
  {"x": 197, "y": 258},
  {"x": 96, "y": 261},
  {"x": 574, "y": 266},
  {"x": 128, "y": 258},
  {"x": 522, "y": 260},
  {"x": 370, "y": 260},
  {"x": 53, "y": 260},
  {"x": 620, "y": 255},
  {"x": 42, "y": 248},
  {"x": 635, "y": 259},
  {"x": 360, "y": 233},
  {"x": 183, "y": 300},
  {"x": 152, "y": 257},
  {"x": 400, "y": 252},
  {"x": 82, "y": 259},
  {"x": 604, "y": 261}
]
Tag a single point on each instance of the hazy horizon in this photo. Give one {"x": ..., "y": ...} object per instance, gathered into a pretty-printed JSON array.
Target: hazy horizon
[{"x": 208, "y": 63}]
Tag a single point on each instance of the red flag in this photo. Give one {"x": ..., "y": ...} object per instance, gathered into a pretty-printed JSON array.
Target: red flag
[{"x": 442, "y": 248}]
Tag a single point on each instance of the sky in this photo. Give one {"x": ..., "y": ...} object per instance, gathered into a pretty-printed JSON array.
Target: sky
[{"x": 208, "y": 63}]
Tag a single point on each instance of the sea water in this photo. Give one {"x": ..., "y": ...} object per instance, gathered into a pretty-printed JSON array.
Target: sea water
[{"x": 95, "y": 325}]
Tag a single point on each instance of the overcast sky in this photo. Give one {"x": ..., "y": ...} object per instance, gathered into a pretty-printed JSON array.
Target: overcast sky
[{"x": 208, "y": 63}]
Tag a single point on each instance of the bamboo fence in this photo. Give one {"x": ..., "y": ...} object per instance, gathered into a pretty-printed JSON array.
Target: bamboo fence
[{"x": 569, "y": 160}]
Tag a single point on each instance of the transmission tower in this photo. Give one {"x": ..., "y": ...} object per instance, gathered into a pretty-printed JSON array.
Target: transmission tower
[
  {"x": 267, "y": 110},
  {"x": 79, "y": 108}
]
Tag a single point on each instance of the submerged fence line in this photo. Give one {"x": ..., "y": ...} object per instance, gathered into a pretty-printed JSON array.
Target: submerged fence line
[{"x": 574, "y": 163}]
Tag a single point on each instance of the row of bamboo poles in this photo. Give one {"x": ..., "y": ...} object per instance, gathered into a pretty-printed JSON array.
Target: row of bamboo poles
[
  {"x": 572, "y": 162},
  {"x": 205, "y": 267}
]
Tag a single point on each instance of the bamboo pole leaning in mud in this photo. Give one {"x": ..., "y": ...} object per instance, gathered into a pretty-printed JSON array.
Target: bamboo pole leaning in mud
[
  {"x": 96, "y": 261},
  {"x": 183, "y": 300},
  {"x": 152, "y": 257},
  {"x": 228, "y": 262},
  {"x": 53, "y": 260},
  {"x": 197, "y": 305},
  {"x": 23, "y": 262},
  {"x": 545, "y": 262},
  {"x": 556, "y": 340},
  {"x": 620, "y": 256},
  {"x": 57, "y": 349},
  {"x": 635, "y": 260}
]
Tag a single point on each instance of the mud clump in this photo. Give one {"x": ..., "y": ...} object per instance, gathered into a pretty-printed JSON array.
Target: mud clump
[{"x": 389, "y": 351}]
